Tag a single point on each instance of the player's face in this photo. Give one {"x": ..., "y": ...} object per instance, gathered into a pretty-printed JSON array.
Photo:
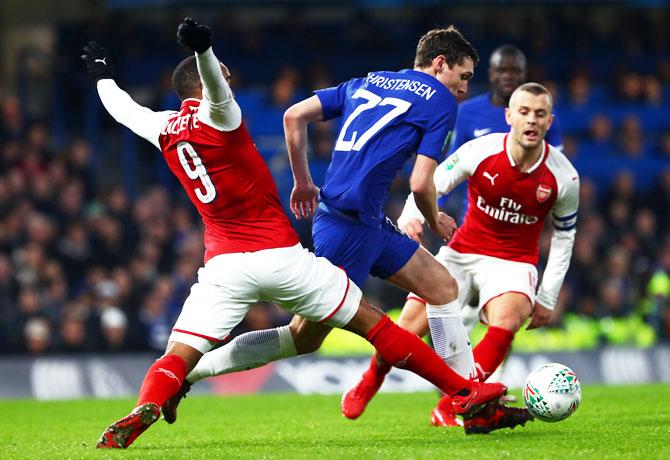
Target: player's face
[
  {"x": 456, "y": 79},
  {"x": 506, "y": 74},
  {"x": 529, "y": 117}
]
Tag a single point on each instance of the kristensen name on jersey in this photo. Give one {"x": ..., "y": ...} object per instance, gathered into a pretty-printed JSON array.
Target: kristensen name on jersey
[{"x": 397, "y": 84}]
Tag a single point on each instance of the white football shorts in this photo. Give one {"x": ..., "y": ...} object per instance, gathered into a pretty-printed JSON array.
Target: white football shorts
[
  {"x": 292, "y": 277},
  {"x": 487, "y": 276}
]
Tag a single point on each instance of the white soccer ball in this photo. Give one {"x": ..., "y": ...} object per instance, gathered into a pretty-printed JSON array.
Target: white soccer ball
[{"x": 552, "y": 392}]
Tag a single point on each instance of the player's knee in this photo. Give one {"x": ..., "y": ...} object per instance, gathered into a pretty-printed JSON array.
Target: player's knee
[
  {"x": 304, "y": 340},
  {"x": 443, "y": 292},
  {"x": 305, "y": 345},
  {"x": 509, "y": 319},
  {"x": 451, "y": 287},
  {"x": 508, "y": 311}
]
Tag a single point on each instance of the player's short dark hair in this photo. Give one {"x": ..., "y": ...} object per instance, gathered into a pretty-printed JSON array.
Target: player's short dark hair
[
  {"x": 448, "y": 42},
  {"x": 186, "y": 79},
  {"x": 536, "y": 89},
  {"x": 508, "y": 50}
]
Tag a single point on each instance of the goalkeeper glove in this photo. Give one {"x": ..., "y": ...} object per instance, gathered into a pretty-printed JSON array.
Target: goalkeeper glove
[
  {"x": 97, "y": 62},
  {"x": 193, "y": 35}
]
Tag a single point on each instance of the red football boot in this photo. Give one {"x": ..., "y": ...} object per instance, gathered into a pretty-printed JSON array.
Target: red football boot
[
  {"x": 169, "y": 407},
  {"x": 495, "y": 416},
  {"x": 356, "y": 400},
  {"x": 443, "y": 414},
  {"x": 480, "y": 394},
  {"x": 446, "y": 418},
  {"x": 122, "y": 433}
]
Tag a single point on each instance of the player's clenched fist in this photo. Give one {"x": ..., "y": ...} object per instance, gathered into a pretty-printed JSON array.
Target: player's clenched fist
[
  {"x": 193, "y": 35},
  {"x": 97, "y": 62}
]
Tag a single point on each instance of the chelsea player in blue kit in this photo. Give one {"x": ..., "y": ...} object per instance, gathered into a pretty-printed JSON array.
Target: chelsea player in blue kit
[{"x": 386, "y": 118}]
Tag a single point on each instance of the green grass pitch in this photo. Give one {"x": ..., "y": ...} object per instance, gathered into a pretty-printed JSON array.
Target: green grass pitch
[{"x": 613, "y": 422}]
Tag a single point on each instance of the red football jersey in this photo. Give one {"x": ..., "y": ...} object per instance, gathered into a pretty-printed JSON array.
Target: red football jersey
[
  {"x": 506, "y": 206},
  {"x": 227, "y": 180}
]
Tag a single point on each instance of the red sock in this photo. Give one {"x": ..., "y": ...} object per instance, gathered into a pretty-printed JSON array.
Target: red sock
[
  {"x": 492, "y": 349},
  {"x": 405, "y": 350},
  {"x": 163, "y": 379},
  {"x": 378, "y": 367}
]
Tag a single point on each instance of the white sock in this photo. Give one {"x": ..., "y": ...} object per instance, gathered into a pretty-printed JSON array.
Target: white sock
[
  {"x": 247, "y": 351},
  {"x": 450, "y": 338}
]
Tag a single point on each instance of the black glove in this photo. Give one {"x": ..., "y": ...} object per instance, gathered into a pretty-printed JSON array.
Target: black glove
[
  {"x": 194, "y": 35},
  {"x": 97, "y": 62}
]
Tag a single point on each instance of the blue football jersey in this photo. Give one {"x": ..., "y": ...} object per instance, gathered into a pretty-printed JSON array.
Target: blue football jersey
[
  {"x": 478, "y": 117},
  {"x": 386, "y": 118}
]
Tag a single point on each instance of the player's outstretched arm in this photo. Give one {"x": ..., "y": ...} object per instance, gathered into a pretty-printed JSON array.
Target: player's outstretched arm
[
  {"x": 142, "y": 121},
  {"x": 305, "y": 194},
  {"x": 218, "y": 107}
]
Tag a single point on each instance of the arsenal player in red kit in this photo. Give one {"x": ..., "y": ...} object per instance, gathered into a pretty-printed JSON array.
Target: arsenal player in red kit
[
  {"x": 515, "y": 181},
  {"x": 252, "y": 253}
]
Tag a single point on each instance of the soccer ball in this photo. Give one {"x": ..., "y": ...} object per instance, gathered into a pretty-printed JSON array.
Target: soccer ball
[{"x": 552, "y": 392}]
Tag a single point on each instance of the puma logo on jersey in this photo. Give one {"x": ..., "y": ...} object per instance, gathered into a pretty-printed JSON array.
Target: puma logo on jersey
[
  {"x": 489, "y": 177},
  {"x": 481, "y": 132},
  {"x": 103, "y": 60}
]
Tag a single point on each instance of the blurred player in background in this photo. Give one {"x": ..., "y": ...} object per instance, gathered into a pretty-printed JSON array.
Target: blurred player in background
[
  {"x": 252, "y": 253},
  {"x": 387, "y": 118},
  {"x": 515, "y": 181},
  {"x": 485, "y": 114}
]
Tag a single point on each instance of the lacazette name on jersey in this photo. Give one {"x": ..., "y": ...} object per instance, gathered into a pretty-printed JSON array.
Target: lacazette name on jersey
[{"x": 181, "y": 123}]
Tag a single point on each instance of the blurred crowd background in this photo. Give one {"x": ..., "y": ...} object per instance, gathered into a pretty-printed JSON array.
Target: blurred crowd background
[{"x": 99, "y": 245}]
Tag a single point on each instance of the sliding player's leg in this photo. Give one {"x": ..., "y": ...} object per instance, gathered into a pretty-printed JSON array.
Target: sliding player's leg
[
  {"x": 163, "y": 379},
  {"x": 413, "y": 319},
  {"x": 313, "y": 288},
  {"x": 249, "y": 351},
  {"x": 207, "y": 317},
  {"x": 345, "y": 243},
  {"x": 257, "y": 348}
]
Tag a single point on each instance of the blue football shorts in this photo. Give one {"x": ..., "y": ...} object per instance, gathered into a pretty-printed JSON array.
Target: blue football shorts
[{"x": 358, "y": 248}]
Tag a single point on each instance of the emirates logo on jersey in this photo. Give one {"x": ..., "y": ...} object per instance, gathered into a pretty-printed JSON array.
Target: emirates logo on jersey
[
  {"x": 509, "y": 211},
  {"x": 543, "y": 193}
]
